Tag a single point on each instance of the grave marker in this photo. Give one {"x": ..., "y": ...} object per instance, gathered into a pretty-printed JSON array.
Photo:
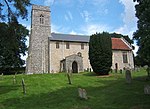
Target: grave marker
[
  {"x": 23, "y": 86},
  {"x": 147, "y": 89},
  {"x": 128, "y": 76},
  {"x": 14, "y": 79},
  {"x": 82, "y": 93}
]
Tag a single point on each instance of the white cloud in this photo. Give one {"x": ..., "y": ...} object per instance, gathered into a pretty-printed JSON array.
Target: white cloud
[
  {"x": 66, "y": 17},
  {"x": 70, "y": 15},
  {"x": 48, "y": 2},
  {"x": 93, "y": 28},
  {"x": 85, "y": 15},
  {"x": 129, "y": 18},
  {"x": 73, "y": 32}
]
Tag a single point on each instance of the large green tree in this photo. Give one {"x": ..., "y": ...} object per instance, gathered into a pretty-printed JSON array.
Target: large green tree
[
  {"x": 13, "y": 8},
  {"x": 142, "y": 35},
  {"x": 100, "y": 53},
  {"x": 12, "y": 44}
]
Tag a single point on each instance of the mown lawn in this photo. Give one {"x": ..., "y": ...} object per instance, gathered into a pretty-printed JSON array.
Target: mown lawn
[{"x": 52, "y": 91}]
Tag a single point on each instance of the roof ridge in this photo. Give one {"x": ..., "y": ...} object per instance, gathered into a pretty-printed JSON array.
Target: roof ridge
[{"x": 70, "y": 34}]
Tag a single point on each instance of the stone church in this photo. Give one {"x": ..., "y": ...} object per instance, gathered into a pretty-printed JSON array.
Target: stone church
[{"x": 52, "y": 52}]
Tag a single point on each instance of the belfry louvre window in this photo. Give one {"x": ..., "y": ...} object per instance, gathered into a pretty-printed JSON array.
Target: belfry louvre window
[
  {"x": 125, "y": 58},
  {"x": 41, "y": 19},
  {"x": 67, "y": 45},
  {"x": 57, "y": 45},
  {"x": 82, "y": 45}
]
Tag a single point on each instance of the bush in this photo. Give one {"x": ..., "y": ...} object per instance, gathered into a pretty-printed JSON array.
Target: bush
[
  {"x": 12, "y": 71},
  {"x": 100, "y": 53}
]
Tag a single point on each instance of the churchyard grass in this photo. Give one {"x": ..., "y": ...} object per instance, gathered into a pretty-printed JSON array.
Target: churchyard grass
[{"x": 52, "y": 91}]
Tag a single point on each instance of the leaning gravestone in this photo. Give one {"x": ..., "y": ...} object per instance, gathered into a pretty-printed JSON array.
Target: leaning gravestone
[
  {"x": 128, "y": 76},
  {"x": 82, "y": 93},
  {"x": 23, "y": 86},
  {"x": 147, "y": 89},
  {"x": 69, "y": 79}
]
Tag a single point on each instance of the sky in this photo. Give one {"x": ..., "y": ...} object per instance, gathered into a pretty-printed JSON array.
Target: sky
[{"x": 87, "y": 17}]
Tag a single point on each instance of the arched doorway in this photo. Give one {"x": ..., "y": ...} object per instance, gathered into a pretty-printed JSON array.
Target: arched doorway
[{"x": 74, "y": 67}]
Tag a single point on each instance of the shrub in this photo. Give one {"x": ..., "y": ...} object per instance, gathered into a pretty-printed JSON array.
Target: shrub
[{"x": 100, "y": 53}]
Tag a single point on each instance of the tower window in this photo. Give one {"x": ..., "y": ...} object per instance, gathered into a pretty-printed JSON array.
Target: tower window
[
  {"x": 67, "y": 45},
  {"x": 82, "y": 45},
  {"x": 57, "y": 45},
  {"x": 41, "y": 19},
  {"x": 125, "y": 58}
]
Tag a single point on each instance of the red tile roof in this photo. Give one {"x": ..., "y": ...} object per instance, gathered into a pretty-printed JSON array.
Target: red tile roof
[{"x": 119, "y": 44}]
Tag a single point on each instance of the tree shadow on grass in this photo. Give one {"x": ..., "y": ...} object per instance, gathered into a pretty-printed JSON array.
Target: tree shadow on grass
[
  {"x": 112, "y": 94},
  {"x": 7, "y": 88},
  {"x": 90, "y": 74}
]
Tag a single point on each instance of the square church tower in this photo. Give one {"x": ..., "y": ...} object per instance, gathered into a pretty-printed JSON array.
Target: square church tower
[{"x": 38, "y": 52}]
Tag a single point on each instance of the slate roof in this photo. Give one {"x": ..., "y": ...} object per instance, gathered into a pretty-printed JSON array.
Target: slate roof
[
  {"x": 69, "y": 37},
  {"x": 117, "y": 43}
]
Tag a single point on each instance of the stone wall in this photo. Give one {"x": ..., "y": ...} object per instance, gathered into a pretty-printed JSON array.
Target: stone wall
[
  {"x": 38, "y": 45},
  {"x": 118, "y": 58},
  {"x": 56, "y": 55}
]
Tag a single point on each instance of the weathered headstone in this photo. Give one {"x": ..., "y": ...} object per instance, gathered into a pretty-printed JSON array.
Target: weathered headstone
[
  {"x": 120, "y": 71},
  {"x": 148, "y": 71},
  {"x": 82, "y": 93},
  {"x": 147, "y": 89},
  {"x": 23, "y": 86},
  {"x": 14, "y": 79},
  {"x": 128, "y": 76},
  {"x": 69, "y": 79},
  {"x": 2, "y": 76}
]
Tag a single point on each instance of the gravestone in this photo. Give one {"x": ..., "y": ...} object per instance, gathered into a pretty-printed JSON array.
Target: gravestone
[
  {"x": 14, "y": 79},
  {"x": 23, "y": 86},
  {"x": 2, "y": 76},
  {"x": 128, "y": 76},
  {"x": 69, "y": 79},
  {"x": 82, "y": 93},
  {"x": 148, "y": 71},
  {"x": 120, "y": 71},
  {"x": 147, "y": 89}
]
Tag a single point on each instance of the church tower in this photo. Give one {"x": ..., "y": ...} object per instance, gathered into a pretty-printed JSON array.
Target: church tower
[{"x": 38, "y": 53}]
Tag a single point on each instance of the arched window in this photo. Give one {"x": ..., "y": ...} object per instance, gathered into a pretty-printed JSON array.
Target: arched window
[{"x": 41, "y": 19}]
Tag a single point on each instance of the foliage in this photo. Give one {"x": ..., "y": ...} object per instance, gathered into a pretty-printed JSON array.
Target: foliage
[
  {"x": 52, "y": 91},
  {"x": 115, "y": 35},
  {"x": 142, "y": 35},
  {"x": 13, "y": 8},
  {"x": 100, "y": 53},
  {"x": 12, "y": 71},
  {"x": 12, "y": 44}
]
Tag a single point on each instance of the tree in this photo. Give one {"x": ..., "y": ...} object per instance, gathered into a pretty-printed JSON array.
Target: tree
[
  {"x": 12, "y": 44},
  {"x": 115, "y": 35},
  {"x": 100, "y": 53},
  {"x": 13, "y": 8},
  {"x": 142, "y": 35}
]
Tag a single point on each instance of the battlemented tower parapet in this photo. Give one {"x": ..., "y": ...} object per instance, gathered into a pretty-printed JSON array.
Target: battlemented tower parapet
[{"x": 38, "y": 53}]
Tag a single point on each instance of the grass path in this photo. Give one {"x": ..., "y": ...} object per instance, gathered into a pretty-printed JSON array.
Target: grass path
[{"x": 52, "y": 91}]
